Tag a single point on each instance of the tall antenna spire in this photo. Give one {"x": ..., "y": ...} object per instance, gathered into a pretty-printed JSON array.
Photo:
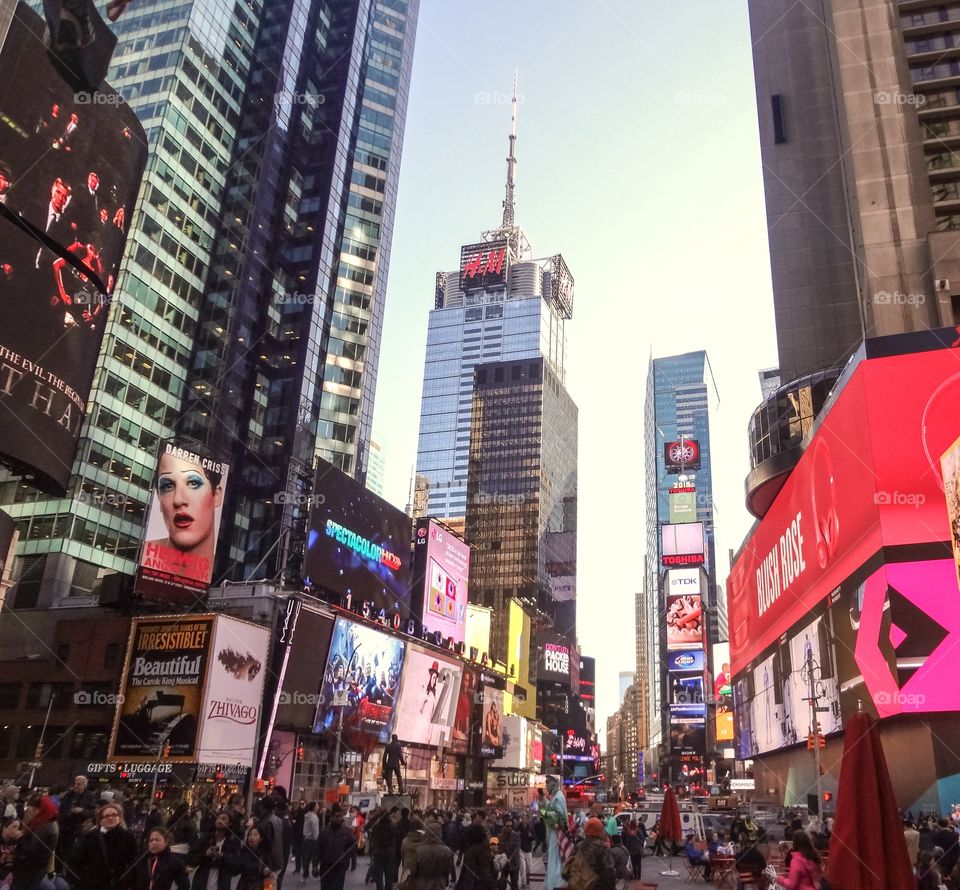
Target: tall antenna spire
[{"x": 509, "y": 201}]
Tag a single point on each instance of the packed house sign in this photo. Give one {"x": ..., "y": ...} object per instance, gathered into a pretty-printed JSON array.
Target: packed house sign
[{"x": 191, "y": 692}]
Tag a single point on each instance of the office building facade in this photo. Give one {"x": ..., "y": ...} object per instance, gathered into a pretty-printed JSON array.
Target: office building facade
[
  {"x": 247, "y": 313},
  {"x": 859, "y": 113}
]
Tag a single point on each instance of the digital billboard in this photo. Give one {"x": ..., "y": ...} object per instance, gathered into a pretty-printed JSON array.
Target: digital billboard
[
  {"x": 233, "y": 693},
  {"x": 554, "y": 664},
  {"x": 684, "y": 581},
  {"x": 177, "y": 558},
  {"x": 485, "y": 265},
  {"x": 681, "y": 455},
  {"x": 360, "y": 683},
  {"x": 358, "y": 547},
  {"x": 70, "y": 169},
  {"x": 870, "y": 478},
  {"x": 721, "y": 670},
  {"x": 513, "y": 737},
  {"x": 682, "y": 544},
  {"x": 161, "y": 691},
  {"x": 477, "y": 631},
  {"x": 460, "y": 737},
  {"x": 684, "y": 622},
  {"x": 429, "y": 692},
  {"x": 491, "y": 727},
  {"x": 442, "y": 571},
  {"x": 950, "y": 471},
  {"x": 682, "y": 504},
  {"x": 689, "y": 661}
]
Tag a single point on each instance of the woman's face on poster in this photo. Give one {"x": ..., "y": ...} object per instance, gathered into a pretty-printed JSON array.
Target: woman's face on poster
[{"x": 188, "y": 502}]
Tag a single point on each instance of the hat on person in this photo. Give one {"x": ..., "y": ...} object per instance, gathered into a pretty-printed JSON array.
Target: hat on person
[{"x": 593, "y": 827}]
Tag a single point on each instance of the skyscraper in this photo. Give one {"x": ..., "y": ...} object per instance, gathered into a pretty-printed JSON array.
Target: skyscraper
[
  {"x": 248, "y": 313},
  {"x": 679, "y": 389},
  {"x": 501, "y": 305},
  {"x": 376, "y": 468},
  {"x": 858, "y": 108}
]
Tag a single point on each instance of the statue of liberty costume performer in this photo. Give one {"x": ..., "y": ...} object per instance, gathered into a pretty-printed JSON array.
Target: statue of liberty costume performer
[{"x": 554, "y": 815}]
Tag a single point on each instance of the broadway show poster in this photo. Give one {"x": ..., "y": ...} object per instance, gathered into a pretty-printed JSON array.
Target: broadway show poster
[
  {"x": 70, "y": 167},
  {"x": 176, "y": 563},
  {"x": 361, "y": 682},
  {"x": 162, "y": 688},
  {"x": 427, "y": 709},
  {"x": 234, "y": 693}
]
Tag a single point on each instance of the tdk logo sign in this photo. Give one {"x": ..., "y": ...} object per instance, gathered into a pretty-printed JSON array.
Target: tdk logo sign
[{"x": 683, "y": 581}]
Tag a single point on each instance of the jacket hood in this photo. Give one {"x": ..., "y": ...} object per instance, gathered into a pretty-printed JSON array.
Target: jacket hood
[{"x": 46, "y": 812}]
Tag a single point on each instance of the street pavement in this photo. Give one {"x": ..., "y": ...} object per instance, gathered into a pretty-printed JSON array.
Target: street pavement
[{"x": 652, "y": 868}]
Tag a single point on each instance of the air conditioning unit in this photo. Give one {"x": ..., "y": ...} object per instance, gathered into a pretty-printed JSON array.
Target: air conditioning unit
[{"x": 942, "y": 284}]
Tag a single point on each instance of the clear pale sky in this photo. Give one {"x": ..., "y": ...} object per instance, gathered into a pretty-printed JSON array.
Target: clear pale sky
[{"x": 639, "y": 161}]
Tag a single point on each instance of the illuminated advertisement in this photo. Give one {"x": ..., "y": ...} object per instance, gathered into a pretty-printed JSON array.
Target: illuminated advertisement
[
  {"x": 161, "y": 703},
  {"x": 688, "y": 735},
  {"x": 176, "y": 562},
  {"x": 519, "y": 638},
  {"x": 721, "y": 670},
  {"x": 688, "y": 661},
  {"x": 682, "y": 455},
  {"x": 478, "y": 631},
  {"x": 233, "y": 693},
  {"x": 513, "y": 735},
  {"x": 484, "y": 266},
  {"x": 358, "y": 547},
  {"x": 429, "y": 692},
  {"x": 554, "y": 664},
  {"x": 684, "y": 581},
  {"x": 684, "y": 622},
  {"x": 360, "y": 683},
  {"x": 460, "y": 737},
  {"x": 682, "y": 504},
  {"x": 492, "y": 723},
  {"x": 70, "y": 169},
  {"x": 442, "y": 567},
  {"x": 950, "y": 470},
  {"x": 853, "y": 561},
  {"x": 534, "y": 752},
  {"x": 682, "y": 545}
]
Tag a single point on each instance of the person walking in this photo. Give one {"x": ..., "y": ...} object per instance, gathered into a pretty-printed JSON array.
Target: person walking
[
  {"x": 104, "y": 858},
  {"x": 804, "y": 865},
  {"x": 336, "y": 844},
  {"x": 633, "y": 842},
  {"x": 382, "y": 843},
  {"x": 526, "y": 850},
  {"x": 393, "y": 759},
  {"x": 252, "y": 863},
  {"x": 159, "y": 869},
  {"x": 211, "y": 854},
  {"x": 35, "y": 839},
  {"x": 477, "y": 871},
  {"x": 592, "y": 866},
  {"x": 311, "y": 840},
  {"x": 77, "y": 805},
  {"x": 510, "y": 848},
  {"x": 432, "y": 867}
]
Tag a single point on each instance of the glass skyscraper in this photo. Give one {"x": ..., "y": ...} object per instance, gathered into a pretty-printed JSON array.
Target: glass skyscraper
[
  {"x": 679, "y": 389},
  {"x": 248, "y": 310}
]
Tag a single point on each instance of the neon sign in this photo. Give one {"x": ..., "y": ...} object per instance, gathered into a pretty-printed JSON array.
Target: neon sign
[{"x": 360, "y": 545}]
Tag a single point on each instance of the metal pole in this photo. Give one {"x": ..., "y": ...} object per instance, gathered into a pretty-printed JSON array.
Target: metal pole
[
  {"x": 43, "y": 732},
  {"x": 815, "y": 724},
  {"x": 156, "y": 770},
  {"x": 336, "y": 753}
]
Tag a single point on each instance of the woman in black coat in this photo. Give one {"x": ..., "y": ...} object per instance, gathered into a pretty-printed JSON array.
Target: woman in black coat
[
  {"x": 477, "y": 872},
  {"x": 158, "y": 868},
  {"x": 251, "y": 863},
  {"x": 104, "y": 858},
  {"x": 35, "y": 842}
]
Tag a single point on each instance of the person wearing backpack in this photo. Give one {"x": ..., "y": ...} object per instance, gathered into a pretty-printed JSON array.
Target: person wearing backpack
[
  {"x": 592, "y": 865},
  {"x": 804, "y": 865},
  {"x": 621, "y": 860}
]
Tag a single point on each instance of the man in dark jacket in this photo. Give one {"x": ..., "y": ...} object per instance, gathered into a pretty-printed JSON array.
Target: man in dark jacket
[
  {"x": 382, "y": 841},
  {"x": 510, "y": 847},
  {"x": 433, "y": 865},
  {"x": 392, "y": 761},
  {"x": 593, "y": 851},
  {"x": 946, "y": 837},
  {"x": 271, "y": 829},
  {"x": 76, "y": 807},
  {"x": 211, "y": 853},
  {"x": 336, "y": 844}
]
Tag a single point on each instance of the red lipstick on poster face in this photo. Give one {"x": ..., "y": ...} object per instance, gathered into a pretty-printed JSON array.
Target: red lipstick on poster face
[{"x": 182, "y": 520}]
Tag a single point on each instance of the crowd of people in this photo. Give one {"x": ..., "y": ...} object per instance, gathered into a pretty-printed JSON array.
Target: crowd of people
[{"x": 933, "y": 844}]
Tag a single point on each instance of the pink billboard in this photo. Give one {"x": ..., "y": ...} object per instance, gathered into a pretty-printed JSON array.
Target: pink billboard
[{"x": 443, "y": 569}]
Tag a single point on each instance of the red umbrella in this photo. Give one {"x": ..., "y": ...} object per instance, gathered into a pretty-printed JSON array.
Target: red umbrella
[
  {"x": 867, "y": 848},
  {"x": 670, "y": 817}
]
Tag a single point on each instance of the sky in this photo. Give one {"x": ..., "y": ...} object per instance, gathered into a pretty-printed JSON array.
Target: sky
[{"x": 639, "y": 161}]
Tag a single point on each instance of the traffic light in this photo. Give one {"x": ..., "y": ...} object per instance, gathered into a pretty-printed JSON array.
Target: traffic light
[
  {"x": 299, "y": 753},
  {"x": 827, "y": 796},
  {"x": 166, "y": 751}
]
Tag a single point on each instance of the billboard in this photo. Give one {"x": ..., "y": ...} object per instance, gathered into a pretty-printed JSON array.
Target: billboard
[
  {"x": 176, "y": 561},
  {"x": 491, "y": 727},
  {"x": 682, "y": 544},
  {"x": 360, "y": 683},
  {"x": 427, "y": 709},
  {"x": 161, "y": 691},
  {"x": 870, "y": 477},
  {"x": 950, "y": 472},
  {"x": 442, "y": 571},
  {"x": 70, "y": 169},
  {"x": 233, "y": 693},
  {"x": 689, "y": 660},
  {"x": 477, "y": 631},
  {"x": 484, "y": 265},
  {"x": 460, "y": 737},
  {"x": 721, "y": 670},
  {"x": 358, "y": 547},
  {"x": 684, "y": 581},
  {"x": 555, "y": 664},
  {"x": 681, "y": 455},
  {"x": 684, "y": 622},
  {"x": 682, "y": 504},
  {"x": 513, "y": 737}
]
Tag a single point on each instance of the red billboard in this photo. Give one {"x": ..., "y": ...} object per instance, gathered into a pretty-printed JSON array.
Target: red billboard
[{"x": 869, "y": 479}]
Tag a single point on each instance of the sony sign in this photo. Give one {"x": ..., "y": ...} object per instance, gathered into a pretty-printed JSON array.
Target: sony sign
[{"x": 683, "y": 581}]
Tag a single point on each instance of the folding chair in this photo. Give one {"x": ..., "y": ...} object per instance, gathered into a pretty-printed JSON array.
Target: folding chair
[{"x": 694, "y": 871}]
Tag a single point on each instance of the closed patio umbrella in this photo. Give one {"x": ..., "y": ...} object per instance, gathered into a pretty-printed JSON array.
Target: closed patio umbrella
[{"x": 670, "y": 827}]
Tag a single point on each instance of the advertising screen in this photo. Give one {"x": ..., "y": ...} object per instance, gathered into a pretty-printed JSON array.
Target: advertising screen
[
  {"x": 684, "y": 622},
  {"x": 358, "y": 547},
  {"x": 950, "y": 470},
  {"x": 681, "y": 455},
  {"x": 682, "y": 545},
  {"x": 721, "y": 670},
  {"x": 478, "y": 631},
  {"x": 513, "y": 736},
  {"x": 682, "y": 505},
  {"x": 485, "y": 265},
  {"x": 463, "y": 722},
  {"x": 869, "y": 478},
  {"x": 491, "y": 741},
  {"x": 297, "y": 705},
  {"x": 534, "y": 752},
  {"x": 686, "y": 661},
  {"x": 360, "y": 683},
  {"x": 688, "y": 735},
  {"x": 429, "y": 692},
  {"x": 234, "y": 693},
  {"x": 443, "y": 570},
  {"x": 684, "y": 581},
  {"x": 176, "y": 562},
  {"x": 554, "y": 664},
  {"x": 162, "y": 688},
  {"x": 70, "y": 168}
]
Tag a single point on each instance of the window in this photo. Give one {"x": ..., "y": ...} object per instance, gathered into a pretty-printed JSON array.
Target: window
[
  {"x": 779, "y": 126},
  {"x": 39, "y": 695},
  {"x": 63, "y": 654},
  {"x": 111, "y": 655},
  {"x": 9, "y": 696}
]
